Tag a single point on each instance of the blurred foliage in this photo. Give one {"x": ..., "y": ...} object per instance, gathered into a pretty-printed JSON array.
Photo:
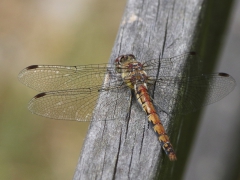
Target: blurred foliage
[{"x": 47, "y": 32}]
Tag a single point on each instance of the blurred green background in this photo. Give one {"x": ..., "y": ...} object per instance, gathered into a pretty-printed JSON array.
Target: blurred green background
[{"x": 47, "y": 32}]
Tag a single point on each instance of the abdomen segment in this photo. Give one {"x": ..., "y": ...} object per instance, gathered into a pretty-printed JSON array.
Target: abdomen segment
[{"x": 147, "y": 105}]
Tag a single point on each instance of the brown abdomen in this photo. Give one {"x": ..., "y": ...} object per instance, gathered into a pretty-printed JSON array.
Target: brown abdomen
[{"x": 147, "y": 105}]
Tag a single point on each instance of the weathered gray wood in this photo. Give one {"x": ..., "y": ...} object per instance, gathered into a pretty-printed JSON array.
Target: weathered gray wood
[{"x": 129, "y": 149}]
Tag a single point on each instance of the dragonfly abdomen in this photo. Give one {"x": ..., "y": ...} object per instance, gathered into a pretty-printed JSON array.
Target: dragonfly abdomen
[{"x": 145, "y": 101}]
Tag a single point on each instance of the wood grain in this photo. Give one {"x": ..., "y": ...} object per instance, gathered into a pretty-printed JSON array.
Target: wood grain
[{"x": 129, "y": 148}]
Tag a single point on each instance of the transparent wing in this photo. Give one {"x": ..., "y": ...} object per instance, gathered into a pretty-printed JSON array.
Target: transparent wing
[
  {"x": 174, "y": 65},
  {"x": 80, "y": 104},
  {"x": 189, "y": 93},
  {"x": 53, "y": 78}
]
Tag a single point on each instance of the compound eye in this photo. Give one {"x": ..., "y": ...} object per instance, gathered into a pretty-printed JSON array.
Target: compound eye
[
  {"x": 133, "y": 57},
  {"x": 119, "y": 60}
]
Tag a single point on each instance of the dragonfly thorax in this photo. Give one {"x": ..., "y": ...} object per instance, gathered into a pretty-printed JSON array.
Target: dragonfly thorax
[
  {"x": 131, "y": 70},
  {"x": 134, "y": 78}
]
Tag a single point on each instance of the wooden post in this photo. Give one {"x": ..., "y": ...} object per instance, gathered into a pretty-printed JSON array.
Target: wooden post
[{"x": 128, "y": 149}]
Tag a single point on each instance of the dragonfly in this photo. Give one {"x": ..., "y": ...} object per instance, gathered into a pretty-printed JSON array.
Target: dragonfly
[{"x": 104, "y": 91}]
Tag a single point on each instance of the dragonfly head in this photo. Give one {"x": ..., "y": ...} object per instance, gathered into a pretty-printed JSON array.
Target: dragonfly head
[{"x": 124, "y": 60}]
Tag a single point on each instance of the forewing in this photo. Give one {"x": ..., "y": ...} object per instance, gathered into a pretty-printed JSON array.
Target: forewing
[
  {"x": 187, "y": 94},
  {"x": 53, "y": 78},
  {"x": 80, "y": 104},
  {"x": 173, "y": 66}
]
